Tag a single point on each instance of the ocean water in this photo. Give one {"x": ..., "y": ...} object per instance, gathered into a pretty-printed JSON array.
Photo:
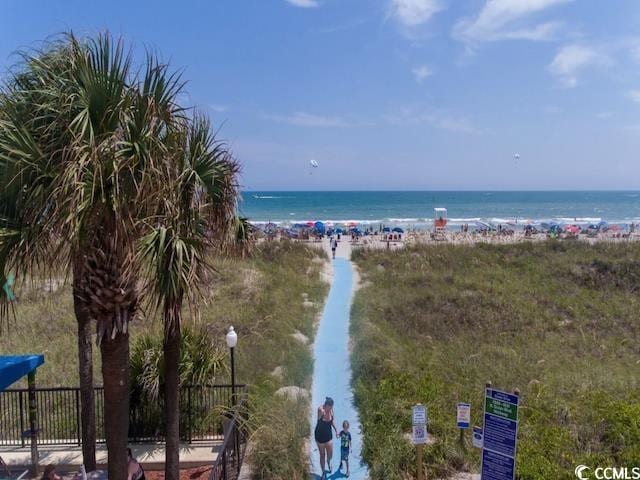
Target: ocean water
[{"x": 415, "y": 209}]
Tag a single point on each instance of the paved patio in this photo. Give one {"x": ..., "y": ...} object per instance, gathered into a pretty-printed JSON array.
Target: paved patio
[{"x": 150, "y": 455}]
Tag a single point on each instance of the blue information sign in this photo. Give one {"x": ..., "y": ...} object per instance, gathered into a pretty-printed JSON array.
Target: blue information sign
[{"x": 500, "y": 435}]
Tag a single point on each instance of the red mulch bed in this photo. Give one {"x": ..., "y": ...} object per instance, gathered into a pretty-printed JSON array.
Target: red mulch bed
[{"x": 198, "y": 473}]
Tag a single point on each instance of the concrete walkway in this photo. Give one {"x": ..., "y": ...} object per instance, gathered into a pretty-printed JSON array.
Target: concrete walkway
[
  {"x": 150, "y": 455},
  {"x": 332, "y": 368}
]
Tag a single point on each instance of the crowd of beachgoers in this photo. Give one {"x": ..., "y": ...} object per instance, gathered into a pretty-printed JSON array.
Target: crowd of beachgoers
[{"x": 393, "y": 236}]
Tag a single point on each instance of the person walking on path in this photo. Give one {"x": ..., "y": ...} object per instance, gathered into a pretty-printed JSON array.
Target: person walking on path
[
  {"x": 323, "y": 434},
  {"x": 345, "y": 445},
  {"x": 334, "y": 246}
]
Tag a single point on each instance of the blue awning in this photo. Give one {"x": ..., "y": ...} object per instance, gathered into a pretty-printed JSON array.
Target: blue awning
[{"x": 14, "y": 367}]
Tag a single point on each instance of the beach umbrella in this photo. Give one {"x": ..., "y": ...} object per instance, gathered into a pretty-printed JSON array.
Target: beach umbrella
[
  {"x": 270, "y": 228},
  {"x": 319, "y": 226},
  {"x": 310, "y": 224},
  {"x": 386, "y": 229},
  {"x": 572, "y": 229},
  {"x": 339, "y": 230},
  {"x": 398, "y": 230}
]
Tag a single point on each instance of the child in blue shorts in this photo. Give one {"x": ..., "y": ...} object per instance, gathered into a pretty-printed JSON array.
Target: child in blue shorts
[{"x": 345, "y": 445}]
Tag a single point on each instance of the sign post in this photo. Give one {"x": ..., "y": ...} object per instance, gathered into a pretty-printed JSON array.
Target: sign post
[
  {"x": 477, "y": 437},
  {"x": 463, "y": 419},
  {"x": 500, "y": 435},
  {"x": 419, "y": 420}
]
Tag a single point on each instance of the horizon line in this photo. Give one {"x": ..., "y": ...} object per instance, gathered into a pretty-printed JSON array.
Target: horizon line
[{"x": 447, "y": 190}]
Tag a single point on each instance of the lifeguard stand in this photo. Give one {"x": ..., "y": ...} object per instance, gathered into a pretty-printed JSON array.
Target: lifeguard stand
[{"x": 439, "y": 223}]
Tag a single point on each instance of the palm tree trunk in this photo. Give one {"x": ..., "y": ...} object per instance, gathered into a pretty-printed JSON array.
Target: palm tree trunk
[
  {"x": 172, "y": 391},
  {"x": 87, "y": 396},
  {"x": 85, "y": 368},
  {"x": 115, "y": 375}
]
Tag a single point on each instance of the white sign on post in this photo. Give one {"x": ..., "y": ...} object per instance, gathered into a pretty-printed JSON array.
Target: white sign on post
[
  {"x": 477, "y": 437},
  {"x": 419, "y": 415},
  {"x": 464, "y": 415},
  {"x": 419, "y": 418},
  {"x": 419, "y": 434}
]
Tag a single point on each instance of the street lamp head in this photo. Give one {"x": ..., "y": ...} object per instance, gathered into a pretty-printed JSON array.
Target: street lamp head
[{"x": 232, "y": 338}]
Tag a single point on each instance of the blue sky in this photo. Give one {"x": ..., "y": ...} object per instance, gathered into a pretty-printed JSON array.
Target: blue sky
[{"x": 392, "y": 94}]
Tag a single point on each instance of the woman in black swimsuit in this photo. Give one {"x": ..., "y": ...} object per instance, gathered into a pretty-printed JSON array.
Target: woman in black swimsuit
[{"x": 323, "y": 433}]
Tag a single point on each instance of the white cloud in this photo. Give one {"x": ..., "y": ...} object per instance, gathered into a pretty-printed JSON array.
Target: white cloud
[
  {"x": 605, "y": 115},
  {"x": 634, "y": 95},
  {"x": 436, "y": 118},
  {"x": 635, "y": 53},
  {"x": 421, "y": 73},
  {"x": 218, "y": 108},
  {"x": 303, "y": 3},
  {"x": 412, "y": 13},
  {"x": 497, "y": 18},
  {"x": 302, "y": 119},
  {"x": 574, "y": 59}
]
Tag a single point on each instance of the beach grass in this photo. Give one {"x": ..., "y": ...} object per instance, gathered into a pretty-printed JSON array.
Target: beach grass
[
  {"x": 269, "y": 297},
  {"x": 432, "y": 324}
]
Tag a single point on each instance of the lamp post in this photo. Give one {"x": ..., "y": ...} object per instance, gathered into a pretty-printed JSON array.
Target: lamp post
[{"x": 232, "y": 340}]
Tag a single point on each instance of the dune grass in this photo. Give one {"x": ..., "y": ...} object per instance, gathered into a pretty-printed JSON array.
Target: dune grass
[
  {"x": 262, "y": 297},
  {"x": 557, "y": 320}
]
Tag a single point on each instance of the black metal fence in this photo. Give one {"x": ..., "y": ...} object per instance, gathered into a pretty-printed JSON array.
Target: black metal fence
[
  {"x": 231, "y": 455},
  {"x": 202, "y": 409}
]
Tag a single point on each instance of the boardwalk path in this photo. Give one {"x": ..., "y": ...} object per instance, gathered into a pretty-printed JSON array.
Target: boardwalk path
[{"x": 332, "y": 370}]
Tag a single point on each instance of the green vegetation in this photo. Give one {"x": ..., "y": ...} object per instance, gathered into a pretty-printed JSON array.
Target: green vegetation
[
  {"x": 107, "y": 177},
  {"x": 557, "y": 320},
  {"x": 261, "y": 296}
]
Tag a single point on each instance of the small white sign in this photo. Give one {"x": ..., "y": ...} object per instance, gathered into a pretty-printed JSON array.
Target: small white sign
[
  {"x": 478, "y": 438},
  {"x": 419, "y": 434},
  {"x": 419, "y": 415},
  {"x": 464, "y": 415}
]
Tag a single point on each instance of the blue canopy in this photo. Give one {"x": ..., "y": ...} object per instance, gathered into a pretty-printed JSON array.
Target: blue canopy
[
  {"x": 398, "y": 230},
  {"x": 14, "y": 367}
]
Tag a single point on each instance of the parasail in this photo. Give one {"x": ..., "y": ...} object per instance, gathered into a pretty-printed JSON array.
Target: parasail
[{"x": 313, "y": 164}]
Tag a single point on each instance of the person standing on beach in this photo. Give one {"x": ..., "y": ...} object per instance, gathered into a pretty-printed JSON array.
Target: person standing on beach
[
  {"x": 334, "y": 245},
  {"x": 324, "y": 436}
]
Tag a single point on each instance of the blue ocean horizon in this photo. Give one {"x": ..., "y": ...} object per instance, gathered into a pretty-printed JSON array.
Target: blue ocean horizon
[{"x": 415, "y": 208}]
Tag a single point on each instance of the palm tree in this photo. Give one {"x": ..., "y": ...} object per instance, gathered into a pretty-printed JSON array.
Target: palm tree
[
  {"x": 197, "y": 219},
  {"x": 83, "y": 161}
]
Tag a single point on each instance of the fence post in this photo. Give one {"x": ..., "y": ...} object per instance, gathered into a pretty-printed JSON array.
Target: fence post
[
  {"x": 189, "y": 412},
  {"x": 78, "y": 417},
  {"x": 224, "y": 464},
  {"x": 22, "y": 428}
]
